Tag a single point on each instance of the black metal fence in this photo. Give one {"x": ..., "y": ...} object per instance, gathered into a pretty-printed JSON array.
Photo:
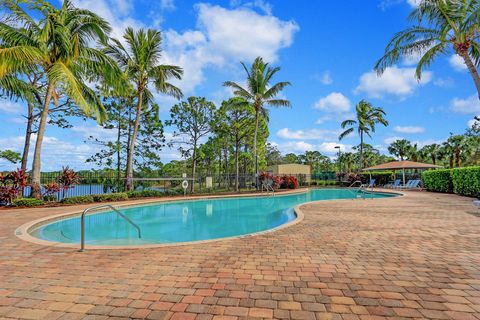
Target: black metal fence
[{"x": 91, "y": 183}]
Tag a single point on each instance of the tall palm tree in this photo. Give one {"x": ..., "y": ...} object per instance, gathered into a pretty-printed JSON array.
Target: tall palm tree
[
  {"x": 432, "y": 151},
  {"x": 260, "y": 93},
  {"x": 57, "y": 42},
  {"x": 442, "y": 25},
  {"x": 367, "y": 116},
  {"x": 140, "y": 61},
  {"x": 400, "y": 148}
]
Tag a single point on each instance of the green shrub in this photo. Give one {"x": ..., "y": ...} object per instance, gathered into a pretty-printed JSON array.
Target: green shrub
[
  {"x": 78, "y": 200},
  {"x": 466, "y": 181},
  {"x": 50, "y": 198},
  {"x": 110, "y": 197},
  {"x": 27, "y": 202},
  {"x": 145, "y": 194},
  {"x": 438, "y": 180}
]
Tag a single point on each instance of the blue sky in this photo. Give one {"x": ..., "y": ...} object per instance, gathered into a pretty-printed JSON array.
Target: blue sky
[{"x": 326, "y": 49}]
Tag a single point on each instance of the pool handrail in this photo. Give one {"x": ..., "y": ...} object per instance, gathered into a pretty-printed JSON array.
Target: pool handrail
[{"x": 82, "y": 222}]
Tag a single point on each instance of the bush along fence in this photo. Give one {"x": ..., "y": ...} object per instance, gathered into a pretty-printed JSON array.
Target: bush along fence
[{"x": 462, "y": 181}]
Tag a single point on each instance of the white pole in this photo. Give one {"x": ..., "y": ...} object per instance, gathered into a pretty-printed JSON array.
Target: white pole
[{"x": 403, "y": 176}]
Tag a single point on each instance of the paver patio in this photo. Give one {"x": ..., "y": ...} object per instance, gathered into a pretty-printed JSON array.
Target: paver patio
[{"x": 416, "y": 256}]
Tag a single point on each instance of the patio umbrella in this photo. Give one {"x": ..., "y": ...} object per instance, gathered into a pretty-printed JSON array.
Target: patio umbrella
[{"x": 397, "y": 165}]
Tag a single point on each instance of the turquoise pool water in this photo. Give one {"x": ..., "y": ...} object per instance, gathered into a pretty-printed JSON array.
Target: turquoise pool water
[{"x": 191, "y": 220}]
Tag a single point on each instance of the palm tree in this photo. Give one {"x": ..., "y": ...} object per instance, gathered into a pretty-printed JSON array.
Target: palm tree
[
  {"x": 141, "y": 63},
  {"x": 367, "y": 116},
  {"x": 400, "y": 148},
  {"x": 414, "y": 153},
  {"x": 441, "y": 25},
  {"x": 58, "y": 43},
  {"x": 457, "y": 145},
  {"x": 348, "y": 160},
  {"x": 432, "y": 151},
  {"x": 260, "y": 93}
]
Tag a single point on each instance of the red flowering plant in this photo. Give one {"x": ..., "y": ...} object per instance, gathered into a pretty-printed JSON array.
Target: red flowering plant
[
  {"x": 51, "y": 188},
  {"x": 266, "y": 176},
  {"x": 11, "y": 184},
  {"x": 68, "y": 179},
  {"x": 289, "y": 182}
]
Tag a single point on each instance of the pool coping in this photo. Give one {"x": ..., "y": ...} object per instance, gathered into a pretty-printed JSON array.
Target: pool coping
[{"x": 23, "y": 231}]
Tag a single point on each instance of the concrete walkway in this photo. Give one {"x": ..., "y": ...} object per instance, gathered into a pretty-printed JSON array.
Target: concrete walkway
[{"x": 416, "y": 256}]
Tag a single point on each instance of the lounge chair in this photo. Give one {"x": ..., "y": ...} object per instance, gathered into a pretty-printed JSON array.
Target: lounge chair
[
  {"x": 411, "y": 184},
  {"x": 371, "y": 184},
  {"x": 393, "y": 185}
]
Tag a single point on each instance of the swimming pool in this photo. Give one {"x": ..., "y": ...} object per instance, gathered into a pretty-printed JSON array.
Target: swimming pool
[{"x": 188, "y": 220}]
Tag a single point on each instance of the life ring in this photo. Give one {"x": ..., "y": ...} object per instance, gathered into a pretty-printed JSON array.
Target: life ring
[{"x": 185, "y": 184}]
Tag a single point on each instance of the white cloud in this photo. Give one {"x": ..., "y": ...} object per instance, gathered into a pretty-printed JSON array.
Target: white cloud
[
  {"x": 95, "y": 131},
  {"x": 264, "y": 6},
  {"x": 390, "y": 140},
  {"x": 223, "y": 38},
  {"x": 168, "y": 5},
  {"x": 7, "y": 106},
  {"x": 395, "y": 81},
  {"x": 470, "y": 105},
  {"x": 116, "y": 12},
  {"x": 409, "y": 129},
  {"x": 473, "y": 122},
  {"x": 241, "y": 33},
  {"x": 311, "y": 134},
  {"x": 335, "y": 102},
  {"x": 444, "y": 82},
  {"x": 414, "y": 3},
  {"x": 302, "y": 146},
  {"x": 457, "y": 63},
  {"x": 324, "y": 78}
]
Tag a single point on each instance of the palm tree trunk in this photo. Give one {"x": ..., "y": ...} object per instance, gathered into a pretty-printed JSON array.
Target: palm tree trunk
[
  {"x": 26, "y": 144},
  {"x": 237, "y": 146},
  {"x": 457, "y": 158},
  {"x": 361, "y": 151},
  {"x": 194, "y": 165},
  {"x": 28, "y": 135},
  {"x": 255, "y": 157},
  {"x": 36, "y": 166},
  {"x": 131, "y": 149},
  {"x": 472, "y": 69},
  {"x": 434, "y": 159}
]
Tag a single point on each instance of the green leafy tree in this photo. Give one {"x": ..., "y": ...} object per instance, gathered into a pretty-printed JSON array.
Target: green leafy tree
[
  {"x": 440, "y": 25},
  {"x": 273, "y": 155},
  {"x": 367, "y": 116},
  {"x": 400, "y": 148},
  {"x": 260, "y": 93},
  {"x": 290, "y": 158},
  {"x": 57, "y": 42},
  {"x": 140, "y": 61},
  {"x": 192, "y": 120},
  {"x": 235, "y": 117},
  {"x": 10, "y": 156}
]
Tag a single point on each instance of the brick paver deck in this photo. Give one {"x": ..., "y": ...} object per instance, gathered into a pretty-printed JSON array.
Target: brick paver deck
[{"x": 403, "y": 258}]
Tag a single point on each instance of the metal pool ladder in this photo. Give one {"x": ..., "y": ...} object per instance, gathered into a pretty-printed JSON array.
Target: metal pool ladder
[{"x": 82, "y": 222}]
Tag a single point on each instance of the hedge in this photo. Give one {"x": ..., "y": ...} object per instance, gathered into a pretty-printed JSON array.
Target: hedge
[
  {"x": 466, "y": 181},
  {"x": 462, "y": 181},
  {"x": 120, "y": 196},
  {"x": 78, "y": 200},
  {"x": 26, "y": 202},
  {"x": 145, "y": 194},
  {"x": 438, "y": 180}
]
